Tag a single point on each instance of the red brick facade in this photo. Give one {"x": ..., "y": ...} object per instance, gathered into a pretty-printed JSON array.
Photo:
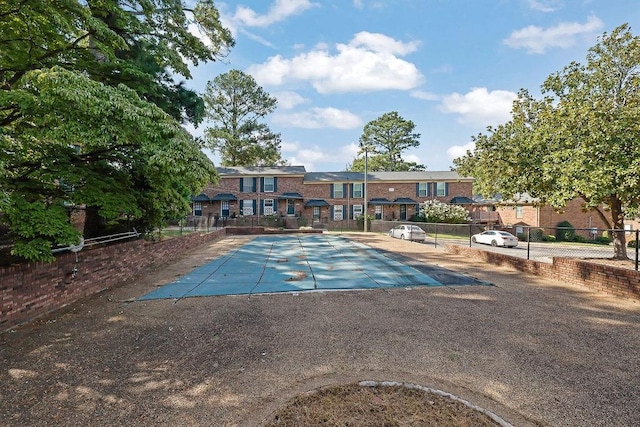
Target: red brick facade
[
  {"x": 616, "y": 281},
  {"x": 337, "y": 199}
]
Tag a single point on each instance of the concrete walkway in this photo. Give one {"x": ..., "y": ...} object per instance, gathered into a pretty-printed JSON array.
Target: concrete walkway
[{"x": 532, "y": 351}]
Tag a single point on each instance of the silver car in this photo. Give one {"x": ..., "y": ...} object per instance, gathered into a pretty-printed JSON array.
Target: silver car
[{"x": 408, "y": 232}]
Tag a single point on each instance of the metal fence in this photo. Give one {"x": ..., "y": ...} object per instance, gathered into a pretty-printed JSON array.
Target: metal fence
[{"x": 537, "y": 243}]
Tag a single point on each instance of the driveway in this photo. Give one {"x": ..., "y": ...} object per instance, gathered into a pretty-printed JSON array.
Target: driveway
[{"x": 533, "y": 351}]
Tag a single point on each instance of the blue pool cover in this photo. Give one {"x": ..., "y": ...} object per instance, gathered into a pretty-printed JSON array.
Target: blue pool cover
[{"x": 305, "y": 262}]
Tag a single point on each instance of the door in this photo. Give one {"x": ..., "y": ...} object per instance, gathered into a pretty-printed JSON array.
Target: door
[
  {"x": 291, "y": 207},
  {"x": 403, "y": 212}
]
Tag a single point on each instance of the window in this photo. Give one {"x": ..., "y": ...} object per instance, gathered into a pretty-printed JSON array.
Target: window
[
  {"x": 337, "y": 213},
  {"x": 268, "y": 206},
  {"x": 269, "y": 184},
  {"x": 357, "y": 211},
  {"x": 224, "y": 209},
  {"x": 357, "y": 190},
  {"x": 518, "y": 211},
  {"x": 248, "y": 185},
  {"x": 316, "y": 212},
  {"x": 337, "y": 191},
  {"x": 423, "y": 189},
  {"x": 197, "y": 209},
  {"x": 247, "y": 207},
  {"x": 378, "y": 212},
  {"x": 441, "y": 189}
]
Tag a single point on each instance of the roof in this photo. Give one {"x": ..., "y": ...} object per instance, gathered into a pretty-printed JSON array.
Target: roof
[
  {"x": 261, "y": 170},
  {"x": 224, "y": 196},
  {"x": 321, "y": 177},
  {"x": 405, "y": 201},
  {"x": 461, "y": 200},
  {"x": 291, "y": 196},
  {"x": 380, "y": 201},
  {"x": 316, "y": 202},
  {"x": 518, "y": 199},
  {"x": 200, "y": 198}
]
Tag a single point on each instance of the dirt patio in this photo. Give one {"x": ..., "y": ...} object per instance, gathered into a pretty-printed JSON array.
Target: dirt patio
[{"x": 533, "y": 351}]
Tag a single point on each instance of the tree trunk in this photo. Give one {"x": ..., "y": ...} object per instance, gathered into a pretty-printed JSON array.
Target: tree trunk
[{"x": 619, "y": 240}]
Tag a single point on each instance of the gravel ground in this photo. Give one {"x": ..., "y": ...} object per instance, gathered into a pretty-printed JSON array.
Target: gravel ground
[{"x": 533, "y": 351}]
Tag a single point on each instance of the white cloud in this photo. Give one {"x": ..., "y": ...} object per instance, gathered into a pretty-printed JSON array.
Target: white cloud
[
  {"x": 460, "y": 150},
  {"x": 289, "y": 147},
  {"x": 545, "y": 5},
  {"x": 370, "y": 62},
  {"x": 288, "y": 99},
  {"x": 480, "y": 106},
  {"x": 279, "y": 11},
  {"x": 538, "y": 40},
  {"x": 427, "y": 96},
  {"x": 316, "y": 118}
]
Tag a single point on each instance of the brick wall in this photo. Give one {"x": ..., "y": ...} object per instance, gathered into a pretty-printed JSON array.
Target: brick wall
[
  {"x": 31, "y": 290},
  {"x": 616, "y": 281}
]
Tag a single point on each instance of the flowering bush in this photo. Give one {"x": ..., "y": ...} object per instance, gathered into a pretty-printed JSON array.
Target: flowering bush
[{"x": 436, "y": 211}]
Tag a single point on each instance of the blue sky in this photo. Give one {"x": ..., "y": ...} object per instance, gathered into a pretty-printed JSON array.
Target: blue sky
[{"x": 453, "y": 67}]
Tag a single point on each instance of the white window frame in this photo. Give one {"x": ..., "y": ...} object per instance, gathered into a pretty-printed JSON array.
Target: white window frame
[
  {"x": 267, "y": 207},
  {"x": 247, "y": 207},
  {"x": 441, "y": 189},
  {"x": 338, "y": 191},
  {"x": 316, "y": 212},
  {"x": 519, "y": 211},
  {"x": 338, "y": 212},
  {"x": 378, "y": 212},
  {"x": 247, "y": 185},
  {"x": 358, "y": 190},
  {"x": 423, "y": 189},
  {"x": 357, "y": 211},
  {"x": 269, "y": 184},
  {"x": 197, "y": 207}
]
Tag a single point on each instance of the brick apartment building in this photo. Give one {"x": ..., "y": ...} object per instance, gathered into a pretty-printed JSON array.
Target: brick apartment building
[
  {"x": 336, "y": 199},
  {"x": 325, "y": 197}
]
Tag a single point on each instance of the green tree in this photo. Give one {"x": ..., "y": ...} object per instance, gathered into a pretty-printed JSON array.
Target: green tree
[
  {"x": 235, "y": 104},
  {"x": 580, "y": 140},
  {"x": 386, "y": 138},
  {"x": 77, "y": 124}
]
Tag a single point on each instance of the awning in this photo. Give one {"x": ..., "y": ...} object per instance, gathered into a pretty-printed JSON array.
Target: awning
[
  {"x": 405, "y": 201},
  {"x": 224, "y": 197},
  {"x": 200, "y": 198},
  {"x": 316, "y": 202},
  {"x": 380, "y": 201},
  {"x": 461, "y": 200},
  {"x": 291, "y": 196}
]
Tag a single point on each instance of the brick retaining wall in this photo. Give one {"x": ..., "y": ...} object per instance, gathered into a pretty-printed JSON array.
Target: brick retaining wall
[
  {"x": 616, "y": 281},
  {"x": 31, "y": 290}
]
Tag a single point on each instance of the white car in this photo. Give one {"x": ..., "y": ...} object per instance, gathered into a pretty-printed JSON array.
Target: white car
[
  {"x": 496, "y": 238},
  {"x": 408, "y": 232}
]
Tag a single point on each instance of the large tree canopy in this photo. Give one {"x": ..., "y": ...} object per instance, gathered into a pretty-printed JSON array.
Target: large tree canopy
[
  {"x": 235, "y": 104},
  {"x": 90, "y": 115},
  {"x": 386, "y": 138},
  {"x": 580, "y": 140}
]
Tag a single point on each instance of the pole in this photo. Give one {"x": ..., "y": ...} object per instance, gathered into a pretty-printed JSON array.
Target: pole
[
  {"x": 637, "y": 231},
  {"x": 366, "y": 171}
]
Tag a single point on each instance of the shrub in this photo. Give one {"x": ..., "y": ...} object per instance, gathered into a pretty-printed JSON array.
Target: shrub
[
  {"x": 549, "y": 238},
  {"x": 436, "y": 211},
  {"x": 536, "y": 234},
  {"x": 631, "y": 244},
  {"x": 565, "y": 232},
  {"x": 603, "y": 239}
]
